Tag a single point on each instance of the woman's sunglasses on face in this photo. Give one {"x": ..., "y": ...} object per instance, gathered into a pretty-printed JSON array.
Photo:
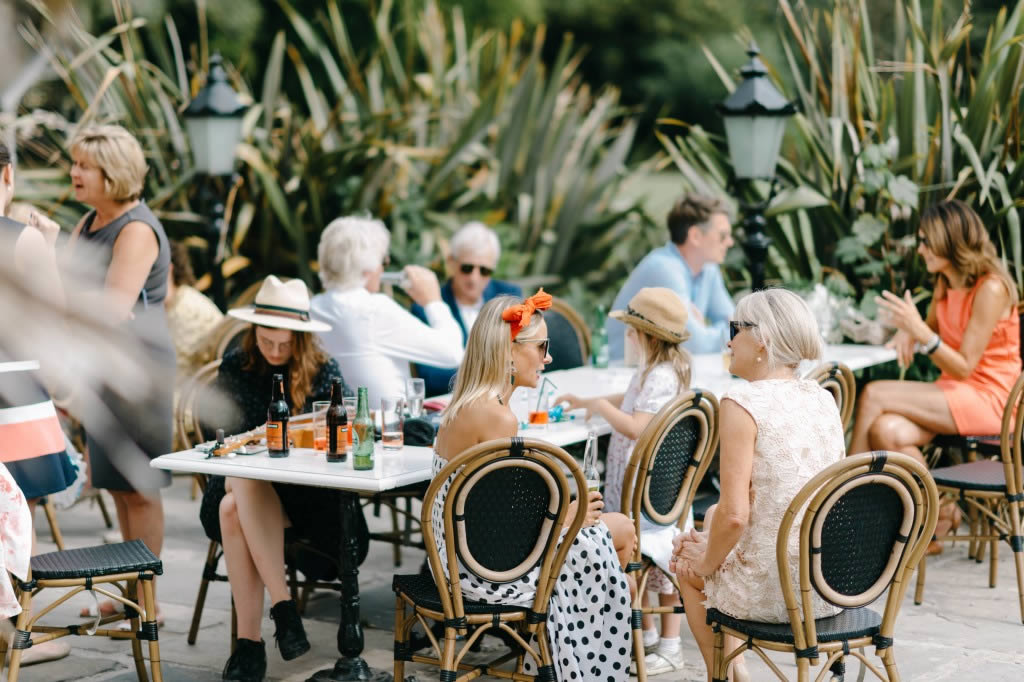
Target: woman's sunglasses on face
[
  {"x": 543, "y": 343},
  {"x": 736, "y": 326},
  {"x": 923, "y": 240},
  {"x": 467, "y": 269}
]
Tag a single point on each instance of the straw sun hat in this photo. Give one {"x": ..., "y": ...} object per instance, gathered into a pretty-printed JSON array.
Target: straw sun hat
[
  {"x": 657, "y": 311},
  {"x": 283, "y": 305}
]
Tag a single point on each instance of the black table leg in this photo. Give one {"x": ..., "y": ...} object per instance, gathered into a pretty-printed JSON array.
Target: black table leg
[{"x": 351, "y": 665}]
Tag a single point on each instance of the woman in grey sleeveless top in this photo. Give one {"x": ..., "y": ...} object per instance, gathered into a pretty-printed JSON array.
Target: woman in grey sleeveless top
[{"x": 133, "y": 257}]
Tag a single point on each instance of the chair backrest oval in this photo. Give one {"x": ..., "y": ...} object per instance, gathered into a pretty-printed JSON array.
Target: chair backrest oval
[
  {"x": 570, "y": 338},
  {"x": 503, "y": 515},
  {"x": 670, "y": 458},
  {"x": 1011, "y": 439},
  {"x": 187, "y": 421},
  {"x": 837, "y": 379},
  {"x": 864, "y": 524}
]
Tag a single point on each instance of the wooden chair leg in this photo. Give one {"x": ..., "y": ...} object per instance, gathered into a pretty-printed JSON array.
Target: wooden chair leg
[
  {"x": 396, "y": 534},
  {"x": 400, "y": 639},
  {"x": 919, "y": 590},
  {"x": 993, "y": 559},
  {"x": 891, "y": 671},
  {"x": 21, "y": 624},
  {"x": 140, "y": 661},
  {"x": 103, "y": 510},
  {"x": 1014, "y": 511},
  {"x": 638, "y": 637},
  {"x": 149, "y": 603},
  {"x": 51, "y": 518},
  {"x": 209, "y": 568},
  {"x": 448, "y": 654},
  {"x": 718, "y": 658}
]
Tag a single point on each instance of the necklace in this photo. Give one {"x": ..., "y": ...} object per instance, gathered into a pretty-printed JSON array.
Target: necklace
[{"x": 498, "y": 396}]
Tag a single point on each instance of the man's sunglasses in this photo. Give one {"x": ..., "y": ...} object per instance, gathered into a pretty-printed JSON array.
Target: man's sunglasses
[
  {"x": 543, "y": 343},
  {"x": 736, "y": 326},
  {"x": 467, "y": 269}
]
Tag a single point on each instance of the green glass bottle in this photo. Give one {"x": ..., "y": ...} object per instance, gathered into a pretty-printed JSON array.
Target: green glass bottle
[{"x": 362, "y": 433}]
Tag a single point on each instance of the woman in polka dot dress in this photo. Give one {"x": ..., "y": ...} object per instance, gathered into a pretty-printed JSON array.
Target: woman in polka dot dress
[{"x": 588, "y": 617}]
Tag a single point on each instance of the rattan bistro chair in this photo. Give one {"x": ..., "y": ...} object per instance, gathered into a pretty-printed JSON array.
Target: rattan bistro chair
[
  {"x": 837, "y": 379},
  {"x": 502, "y": 518},
  {"x": 993, "y": 491},
  {"x": 126, "y": 566},
  {"x": 667, "y": 465},
  {"x": 867, "y": 523}
]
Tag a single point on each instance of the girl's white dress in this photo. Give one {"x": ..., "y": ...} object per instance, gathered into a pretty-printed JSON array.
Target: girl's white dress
[
  {"x": 659, "y": 388},
  {"x": 15, "y": 541}
]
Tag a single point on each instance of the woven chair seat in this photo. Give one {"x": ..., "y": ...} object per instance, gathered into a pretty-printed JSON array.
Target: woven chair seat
[
  {"x": 849, "y": 624},
  {"x": 92, "y": 562},
  {"x": 423, "y": 591},
  {"x": 986, "y": 475}
]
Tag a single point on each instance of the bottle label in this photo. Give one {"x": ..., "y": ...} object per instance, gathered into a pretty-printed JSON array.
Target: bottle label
[
  {"x": 338, "y": 440},
  {"x": 276, "y": 436}
]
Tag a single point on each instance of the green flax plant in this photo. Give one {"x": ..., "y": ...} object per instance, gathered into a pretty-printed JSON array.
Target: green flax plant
[
  {"x": 878, "y": 137},
  {"x": 430, "y": 126}
]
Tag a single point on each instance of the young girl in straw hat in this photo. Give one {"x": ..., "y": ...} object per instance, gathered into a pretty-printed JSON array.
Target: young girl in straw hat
[{"x": 655, "y": 326}]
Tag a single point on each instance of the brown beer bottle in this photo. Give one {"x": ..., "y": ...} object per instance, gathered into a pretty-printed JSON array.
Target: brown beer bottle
[
  {"x": 277, "y": 420},
  {"x": 337, "y": 426}
]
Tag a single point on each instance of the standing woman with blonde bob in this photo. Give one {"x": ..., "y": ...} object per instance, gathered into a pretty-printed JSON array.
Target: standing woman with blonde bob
[
  {"x": 132, "y": 254},
  {"x": 971, "y": 333},
  {"x": 588, "y": 619}
]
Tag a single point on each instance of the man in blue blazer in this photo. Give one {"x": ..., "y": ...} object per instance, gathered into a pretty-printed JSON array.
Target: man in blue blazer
[{"x": 475, "y": 250}]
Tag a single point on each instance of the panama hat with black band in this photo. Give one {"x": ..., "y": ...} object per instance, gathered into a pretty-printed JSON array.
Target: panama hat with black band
[{"x": 656, "y": 311}]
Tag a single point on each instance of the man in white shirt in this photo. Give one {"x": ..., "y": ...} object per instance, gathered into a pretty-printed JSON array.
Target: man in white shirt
[{"x": 373, "y": 338}]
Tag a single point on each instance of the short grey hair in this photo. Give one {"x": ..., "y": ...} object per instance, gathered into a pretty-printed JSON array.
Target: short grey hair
[
  {"x": 475, "y": 237},
  {"x": 786, "y": 327},
  {"x": 349, "y": 248}
]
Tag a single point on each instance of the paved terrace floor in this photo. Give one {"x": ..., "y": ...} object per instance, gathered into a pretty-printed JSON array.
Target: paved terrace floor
[{"x": 962, "y": 631}]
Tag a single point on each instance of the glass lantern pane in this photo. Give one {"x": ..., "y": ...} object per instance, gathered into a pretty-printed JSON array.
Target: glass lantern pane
[
  {"x": 214, "y": 139},
  {"x": 754, "y": 143}
]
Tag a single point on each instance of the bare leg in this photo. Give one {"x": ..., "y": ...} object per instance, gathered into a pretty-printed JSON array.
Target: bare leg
[
  {"x": 141, "y": 517},
  {"x": 696, "y": 617},
  {"x": 671, "y": 623},
  {"x": 623, "y": 535},
  {"x": 922, "y": 404},
  {"x": 262, "y": 522},
  {"x": 243, "y": 577}
]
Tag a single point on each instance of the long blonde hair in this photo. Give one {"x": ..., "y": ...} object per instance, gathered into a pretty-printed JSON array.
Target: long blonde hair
[
  {"x": 306, "y": 360},
  {"x": 657, "y": 351},
  {"x": 955, "y": 232},
  {"x": 487, "y": 363}
]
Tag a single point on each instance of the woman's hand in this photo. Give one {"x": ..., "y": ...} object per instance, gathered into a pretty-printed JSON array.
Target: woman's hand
[
  {"x": 595, "y": 505},
  {"x": 903, "y": 314},
  {"x": 48, "y": 228},
  {"x": 423, "y": 286},
  {"x": 689, "y": 551},
  {"x": 575, "y": 402},
  {"x": 903, "y": 343}
]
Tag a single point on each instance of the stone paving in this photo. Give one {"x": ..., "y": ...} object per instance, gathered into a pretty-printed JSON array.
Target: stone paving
[{"x": 962, "y": 631}]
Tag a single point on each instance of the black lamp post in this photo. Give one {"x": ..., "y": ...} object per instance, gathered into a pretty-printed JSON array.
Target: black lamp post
[
  {"x": 755, "y": 117},
  {"x": 214, "y": 123}
]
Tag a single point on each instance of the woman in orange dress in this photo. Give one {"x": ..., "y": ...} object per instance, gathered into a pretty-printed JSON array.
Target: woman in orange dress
[{"x": 971, "y": 333}]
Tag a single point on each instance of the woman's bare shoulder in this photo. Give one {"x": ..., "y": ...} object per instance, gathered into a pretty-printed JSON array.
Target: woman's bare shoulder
[{"x": 481, "y": 421}]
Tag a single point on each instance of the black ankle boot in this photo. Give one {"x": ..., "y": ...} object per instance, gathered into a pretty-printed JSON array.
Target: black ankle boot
[
  {"x": 248, "y": 663},
  {"x": 289, "y": 633}
]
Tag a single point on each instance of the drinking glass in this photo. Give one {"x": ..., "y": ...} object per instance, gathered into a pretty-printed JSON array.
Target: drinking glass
[
  {"x": 391, "y": 423},
  {"x": 590, "y": 472},
  {"x": 350, "y": 403},
  {"x": 320, "y": 425},
  {"x": 538, "y": 401},
  {"x": 415, "y": 391}
]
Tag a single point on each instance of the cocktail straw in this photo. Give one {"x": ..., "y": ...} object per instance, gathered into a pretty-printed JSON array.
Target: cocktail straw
[{"x": 540, "y": 394}]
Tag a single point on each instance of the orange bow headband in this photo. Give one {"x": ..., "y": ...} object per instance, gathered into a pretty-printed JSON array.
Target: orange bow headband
[{"x": 518, "y": 316}]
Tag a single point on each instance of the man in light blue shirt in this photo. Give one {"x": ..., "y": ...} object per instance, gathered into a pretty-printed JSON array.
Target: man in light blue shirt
[{"x": 701, "y": 234}]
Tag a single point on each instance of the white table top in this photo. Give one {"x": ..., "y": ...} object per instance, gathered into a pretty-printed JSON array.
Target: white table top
[
  {"x": 391, "y": 468},
  {"x": 709, "y": 373}
]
